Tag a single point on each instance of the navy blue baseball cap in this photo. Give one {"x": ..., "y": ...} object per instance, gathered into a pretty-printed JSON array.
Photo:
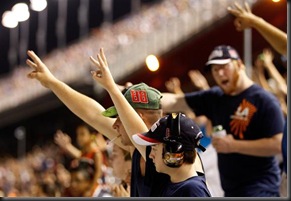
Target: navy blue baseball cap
[
  {"x": 189, "y": 135},
  {"x": 221, "y": 54}
]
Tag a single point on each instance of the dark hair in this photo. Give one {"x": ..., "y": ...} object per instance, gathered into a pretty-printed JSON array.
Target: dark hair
[
  {"x": 189, "y": 157},
  {"x": 90, "y": 128},
  {"x": 85, "y": 166}
]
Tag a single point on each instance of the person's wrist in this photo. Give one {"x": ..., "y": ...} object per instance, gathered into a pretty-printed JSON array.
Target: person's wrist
[
  {"x": 256, "y": 21},
  {"x": 234, "y": 147},
  {"x": 52, "y": 82}
]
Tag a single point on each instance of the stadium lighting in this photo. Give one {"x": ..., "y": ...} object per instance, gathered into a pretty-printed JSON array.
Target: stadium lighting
[
  {"x": 152, "y": 62},
  {"x": 21, "y": 12},
  {"x": 38, "y": 5},
  {"x": 9, "y": 20}
]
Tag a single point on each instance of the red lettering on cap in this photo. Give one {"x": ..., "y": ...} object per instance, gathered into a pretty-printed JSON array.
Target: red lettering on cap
[{"x": 139, "y": 96}]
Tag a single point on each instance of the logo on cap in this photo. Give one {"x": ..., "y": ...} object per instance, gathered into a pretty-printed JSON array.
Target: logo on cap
[
  {"x": 215, "y": 53},
  {"x": 139, "y": 96}
]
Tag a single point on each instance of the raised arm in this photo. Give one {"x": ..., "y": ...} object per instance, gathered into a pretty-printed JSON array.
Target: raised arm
[
  {"x": 64, "y": 141},
  {"x": 198, "y": 80},
  {"x": 130, "y": 119},
  {"x": 273, "y": 71},
  {"x": 174, "y": 103},
  {"x": 246, "y": 19},
  {"x": 83, "y": 106}
]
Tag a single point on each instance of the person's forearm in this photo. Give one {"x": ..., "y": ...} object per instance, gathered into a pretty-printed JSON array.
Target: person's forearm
[
  {"x": 174, "y": 103},
  {"x": 72, "y": 151},
  {"x": 274, "y": 73},
  {"x": 262, "y": 147},
  {"x": 84, "y": 107},
  {"x": 81, "y": 105},
  {"x": 276, "y": 37},
  {"x": 263, "y": 81}
]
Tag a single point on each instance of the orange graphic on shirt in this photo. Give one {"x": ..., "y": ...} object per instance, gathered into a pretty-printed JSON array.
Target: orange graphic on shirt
[{"x": 241, "y": 118}]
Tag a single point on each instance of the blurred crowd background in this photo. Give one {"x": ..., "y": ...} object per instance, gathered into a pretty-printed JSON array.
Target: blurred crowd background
[{"x": 180, "y": 33}]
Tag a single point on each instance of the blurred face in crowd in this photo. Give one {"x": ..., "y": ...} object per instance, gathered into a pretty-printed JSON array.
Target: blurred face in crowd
[
  {"x": 226, "y": 76},
  {"x": 120, "y": 166},
  {"x": 79, "y": 184},
  {"x": 83, "y": 136}
]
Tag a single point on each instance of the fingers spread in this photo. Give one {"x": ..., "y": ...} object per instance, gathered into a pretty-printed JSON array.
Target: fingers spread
[
  {"x": 30, "y": 63},
  {"x": 95, "y": 61},
  {"x": 34, "y": 57},
  {"x": 103, "y": 56},
  {"x": 234, "y": 12},
  {"x": 101, "y": 61},
  {"x": 247, "y": 7},
  {"x": 238, "y": 7}
]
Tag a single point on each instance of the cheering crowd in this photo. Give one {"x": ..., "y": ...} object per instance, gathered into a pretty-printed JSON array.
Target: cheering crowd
[{"x": 156, "y": 144}]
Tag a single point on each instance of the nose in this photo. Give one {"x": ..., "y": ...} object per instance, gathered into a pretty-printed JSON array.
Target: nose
[
  {"x": 151, "y": 156},
  {"x": 220, "y": 71}
]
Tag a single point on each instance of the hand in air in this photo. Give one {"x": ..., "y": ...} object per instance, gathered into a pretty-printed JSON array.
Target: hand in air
[
  {"x": 102, "y": 75},
  {"x": 40, "y": 70}
]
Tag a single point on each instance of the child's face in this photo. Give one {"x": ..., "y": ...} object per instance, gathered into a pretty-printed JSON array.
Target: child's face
[{"x": 83, "y": 136}]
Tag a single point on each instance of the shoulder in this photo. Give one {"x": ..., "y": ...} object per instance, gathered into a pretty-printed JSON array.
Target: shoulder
[
  {"x": 194, "y": 187},
  {"x": 213, "y": 91},
  {"x": 260, "y": 95},
  {"x": 257, "y": 90}
]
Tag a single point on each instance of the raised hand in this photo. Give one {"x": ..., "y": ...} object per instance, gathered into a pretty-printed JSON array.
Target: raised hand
[
  {"x": 102, "y": 75},
  {"x": 118, "y": 190},
  {"x": 62, "y": 139},
  {"x": 244, "y": 16},
  {"x": 198, "y": 80},
  {"x": 173, "y": 85},
  {"x": 267, "y": 57},
  {"x": 40, "y": 70}
]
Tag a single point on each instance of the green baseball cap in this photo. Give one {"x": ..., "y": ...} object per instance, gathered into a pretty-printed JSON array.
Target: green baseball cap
[{"x": 139, "y": 96}]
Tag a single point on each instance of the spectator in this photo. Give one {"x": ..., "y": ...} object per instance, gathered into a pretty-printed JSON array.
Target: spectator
[
  {"x": 275, "y": 83},
  {"x": 173, "y": 140},
  {"x": 121, "y": 169},
  {"x": 252, "y": 118},
  {"x": 82, "y": 180},
  {"x": 88, "y": 147},
  {"x": 278, "y": 40},
  {"x": 142, "y": 95},
  {"x": 209, "y": 157},
  {"x": 91, "y": 112}
]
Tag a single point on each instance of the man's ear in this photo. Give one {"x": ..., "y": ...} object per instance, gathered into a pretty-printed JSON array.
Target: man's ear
[
  {"x": 143, "y": 117},
  {"x": 240, "y": 64},
  {"x": 140, "y": 114}
]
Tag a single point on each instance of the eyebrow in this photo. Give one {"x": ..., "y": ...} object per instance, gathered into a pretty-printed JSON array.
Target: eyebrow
[{"x": 154, "y": 146}]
